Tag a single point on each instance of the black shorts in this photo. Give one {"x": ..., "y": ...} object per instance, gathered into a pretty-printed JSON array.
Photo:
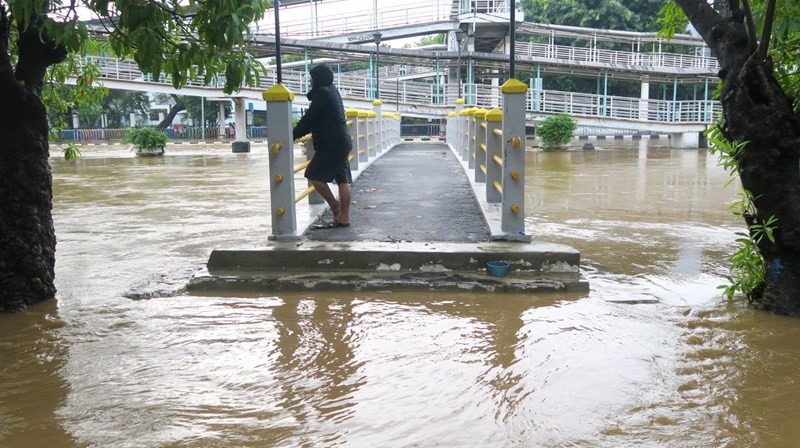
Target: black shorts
[{"x": 327, "y": 167}]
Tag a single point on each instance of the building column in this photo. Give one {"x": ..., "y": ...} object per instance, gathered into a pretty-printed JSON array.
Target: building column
[
  {"x": 644, "y": 100},
  {"x": 221, "y": 120},
  {"x": 240, "y": 143}
]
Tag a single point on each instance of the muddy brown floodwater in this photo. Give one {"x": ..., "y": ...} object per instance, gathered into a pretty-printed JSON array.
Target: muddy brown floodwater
[{"x": 652, "y": 356}]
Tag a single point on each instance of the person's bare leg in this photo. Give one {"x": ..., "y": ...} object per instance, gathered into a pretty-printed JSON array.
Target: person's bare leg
[
  {"x": 325, "y": 191},
  {"x": 345, "y": 196}
]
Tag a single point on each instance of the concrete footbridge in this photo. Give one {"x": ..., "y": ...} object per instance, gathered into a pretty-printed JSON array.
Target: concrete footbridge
[{"x": 425, "y": 216}]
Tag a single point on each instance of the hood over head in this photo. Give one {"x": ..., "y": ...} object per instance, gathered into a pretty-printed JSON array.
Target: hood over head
[{"x": 322, "y": 75}]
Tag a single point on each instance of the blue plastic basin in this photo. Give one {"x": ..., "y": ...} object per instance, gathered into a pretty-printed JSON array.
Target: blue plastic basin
[{"x": 497, "y": 268}]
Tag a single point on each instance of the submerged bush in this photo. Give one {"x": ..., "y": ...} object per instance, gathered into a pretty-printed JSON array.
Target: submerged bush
[
  {"x": 146, "y": 140},
  {"x": 556, "y": 131}
]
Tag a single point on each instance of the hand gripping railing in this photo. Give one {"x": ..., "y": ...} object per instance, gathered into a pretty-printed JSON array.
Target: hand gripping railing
[
  {"x": 491, "y": 142},
  {"x": 383, "y": 129}
]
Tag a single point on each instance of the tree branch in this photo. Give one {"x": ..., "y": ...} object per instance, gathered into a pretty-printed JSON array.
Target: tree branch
[
  {"x": 701, "y": 15},
  {"x": 751, "y": 27},
  {"x": 37, "y": 51},
  {"x": 769, "y": 18}
]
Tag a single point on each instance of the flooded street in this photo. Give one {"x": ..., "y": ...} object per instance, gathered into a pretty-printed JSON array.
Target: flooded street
[{"x": 652, "y": 356}]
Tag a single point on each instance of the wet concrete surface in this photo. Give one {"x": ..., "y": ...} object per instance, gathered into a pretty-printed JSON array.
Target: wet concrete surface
[{"x": 416, "y": 193}]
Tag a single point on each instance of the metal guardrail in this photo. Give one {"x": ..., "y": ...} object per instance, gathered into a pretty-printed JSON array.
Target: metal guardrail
[
  {"x": 176, "y": 134},
  {"x": 413, "y": 92}
]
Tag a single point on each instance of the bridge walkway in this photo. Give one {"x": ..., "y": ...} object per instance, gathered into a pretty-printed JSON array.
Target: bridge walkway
[{"x": 414, "y": 193}]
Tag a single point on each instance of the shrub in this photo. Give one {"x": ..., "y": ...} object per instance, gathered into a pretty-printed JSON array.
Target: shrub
[
  {"x": 146, "y": 140},
  {"x": 556, "y": 131}
]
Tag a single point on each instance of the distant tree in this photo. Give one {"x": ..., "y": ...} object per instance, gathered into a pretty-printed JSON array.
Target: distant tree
[
  {"x": 628, "y": 15},
  {"x": 427, "y": 40},
  {"x": 119, "y": 104}
]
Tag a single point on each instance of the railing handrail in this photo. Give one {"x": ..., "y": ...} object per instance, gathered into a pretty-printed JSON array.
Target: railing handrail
[{"x": 414, "y": 92}]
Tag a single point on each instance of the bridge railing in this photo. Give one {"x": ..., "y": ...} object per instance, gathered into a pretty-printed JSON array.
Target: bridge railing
[
  {"x": 372, "y": 132},
  {"x": 410, "y": 92},
  {"x": 176, "y": 134},
  {"x": 598, "y": 55},
  {"x": 490, "y": 143}
]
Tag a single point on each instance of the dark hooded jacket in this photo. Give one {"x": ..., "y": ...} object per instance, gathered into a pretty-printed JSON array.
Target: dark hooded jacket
[{"x": 325, "y": 116}]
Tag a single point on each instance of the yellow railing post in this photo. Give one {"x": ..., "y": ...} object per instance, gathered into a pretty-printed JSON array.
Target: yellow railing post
[
  {"x": 513, "y": 216},
  {"x": 351, "y": 115},
  {"x": 377, "y": 107},
  {"x": 480, "y": 145},
  {"x": 281, "y": 162},
  {"x": 472, "y": 138},
  {"x": 463, "y": 138},
  {"x": 363, "y": 133},
  {"x": 458, "y": 136},
  {"x": 373, "y": 133},
  {"x": 494, "y": 147},
  {"x": 450, "y": 128}
]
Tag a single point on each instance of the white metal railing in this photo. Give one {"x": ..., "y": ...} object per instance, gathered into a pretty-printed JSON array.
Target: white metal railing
[
  {"x": 425, "y": 93},
  {"x": 491, "y": 147},
  {"x": 334, "y": 17},
  {"x": 590, "y": 54},
  {"x": 373, "y": 132}
]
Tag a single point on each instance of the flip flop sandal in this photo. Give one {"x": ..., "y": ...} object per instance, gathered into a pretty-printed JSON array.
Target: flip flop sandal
[{"x": 329, "y": 225}]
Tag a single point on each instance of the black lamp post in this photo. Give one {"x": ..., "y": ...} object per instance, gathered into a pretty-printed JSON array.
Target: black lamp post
[
  {"x": 512, "y": 36},
  {"x": 377, "y": 35},
  {"x": 459, "y": 38}
]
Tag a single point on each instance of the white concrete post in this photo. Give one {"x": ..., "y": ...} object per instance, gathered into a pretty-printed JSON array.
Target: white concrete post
[
  {"x": 240, "y": 143},
  {"x": 133, "y": 120},
  {"x": 377, "y": 107},
  {"x": 281, "y": 162},
  {"x": 76, "y": 122},
  {"x": 221, "y": 120},
  {"x": 373, "y": 133},
  {"x": 463, "y": 140},
  {"x": 450, "y": 128},
  {"x": 644, "y": 99},
  {"x": 458, "y": 130},
  {"x": 351, "y": 115},
  {"x": 473, "y": 138},
  {"x": 513, "y": 215},
  {"x": 480, "y": 145},
  {"x": 363, "y": 136},
  {"x": 494, "y": 152}
]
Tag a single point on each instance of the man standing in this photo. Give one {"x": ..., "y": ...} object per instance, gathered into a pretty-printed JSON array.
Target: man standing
[{"x": 332, "y": 144}]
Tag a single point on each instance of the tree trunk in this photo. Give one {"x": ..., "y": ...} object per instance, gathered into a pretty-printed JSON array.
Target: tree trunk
[
  {"x": 27, "y": 236},
  {"x": 758, "y": 111},
  {"x": 173, "y": 111}
]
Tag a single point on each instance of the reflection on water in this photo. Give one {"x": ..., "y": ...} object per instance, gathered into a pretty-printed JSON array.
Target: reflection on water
[{"x": 650, "y": 357}]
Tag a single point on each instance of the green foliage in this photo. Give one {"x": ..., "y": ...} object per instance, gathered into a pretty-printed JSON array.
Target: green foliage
[
  {"x": 672, "y": 20},
  {"x": 185, "y": 40},
  {"x": 71, "y": 151},
  {"x": 628, "y": 15},
  {"x": 425, "y": 41},
  {"x": 556, "y": 131},
  {"x": 145, "y": 139},
  {"x": 747, "y": 265},
  {"x": 61, "y": 100},
  {"x": 119, "y": 104}
]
